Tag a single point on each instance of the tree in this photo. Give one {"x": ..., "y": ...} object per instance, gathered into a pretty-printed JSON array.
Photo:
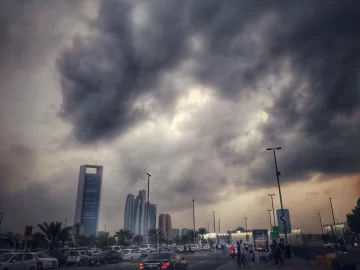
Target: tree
[
  {"x": 154, "y": 234},
  {"x": 185, "y": 239},
  {"x": 191, "y": 233},
  {"x": 211, "y": 242},
  {"x": 353, "y": 220},
  {"x": 123, "y": 237},
  {"x": 51, "y": 231},
  {"x": 202, "y": 232},
  {"x": 88, "y": 241},
  {"x": 137, "y": 239},
  {"x": 177, "y": 240},
  {"x": 38, "y": 239},
  {"x": 111, "y": 241},
  {"x": 65, "y": 235}
]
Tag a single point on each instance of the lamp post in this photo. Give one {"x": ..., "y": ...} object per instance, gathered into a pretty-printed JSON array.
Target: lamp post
[
  {"x": 214, "y": 222},
  {"x": 270, "y": 219},
  {"x": 194, "y": 220},
  {"x": 105, "y": 228},
  {"x": 208, "y": 224},
  {"x": 219, "y": 225},
  {"x": 322, "y": 228},
  {"x": 1, "y": 218},
  {"x": 65, "y": 222},
  {"x": 246, "y": 222},
  {"x": 272, "y": 203},
  {"x": 278, "y": 180},
  {"x": 332, "y": 211}
]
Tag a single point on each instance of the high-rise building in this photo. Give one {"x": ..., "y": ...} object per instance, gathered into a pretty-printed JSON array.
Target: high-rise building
[
  {"x": 88, "y": 198},
  {"x": 165, "y": 225},
  {"x": 129, "y": 212},
  {"x": 139, "y": 215}
]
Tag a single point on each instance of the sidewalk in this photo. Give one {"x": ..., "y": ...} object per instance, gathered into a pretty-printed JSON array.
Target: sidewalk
[{"x": 294, "y": 263}]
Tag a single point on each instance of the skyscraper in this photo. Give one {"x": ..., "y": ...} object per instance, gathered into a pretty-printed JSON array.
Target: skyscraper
[
  {"x": 139, "y": 215},
  {"x": 88, "y": 198},
  {"x": 165, "y": 225}
]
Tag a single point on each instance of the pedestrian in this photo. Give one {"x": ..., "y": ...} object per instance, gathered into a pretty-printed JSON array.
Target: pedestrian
[
  {"x": 243, "y": 255},
  {"x": 184, "y": 248}
]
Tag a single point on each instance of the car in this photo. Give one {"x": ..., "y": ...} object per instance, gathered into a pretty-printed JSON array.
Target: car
[
  {"x": 77, "y": 257},
  {"x": 180, "y": 249},
  {"x": 45, "y": 261},
  {"x": 18, "y": 261},
  {"x": 105, "y": 257},
  {"x": 164, "y": 260},
  {"x": 130, "y": 255},
  {"x": 206, "y": 247},
  {"x": 193, "y": 247},
  {"x": 117, "y": 248},
  {"x": 147, "y": 248}
]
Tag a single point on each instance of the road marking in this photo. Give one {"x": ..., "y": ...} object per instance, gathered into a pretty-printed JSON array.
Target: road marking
[
  {"x": 198, "y": 263},
  {"x": 222, "y": 266}
]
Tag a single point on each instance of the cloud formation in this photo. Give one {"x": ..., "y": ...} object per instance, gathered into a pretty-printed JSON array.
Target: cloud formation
[{"x": 195, "y": 91}]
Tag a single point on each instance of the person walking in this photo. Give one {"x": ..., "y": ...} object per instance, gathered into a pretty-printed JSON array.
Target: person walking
[{"x": 243, "y": 255}]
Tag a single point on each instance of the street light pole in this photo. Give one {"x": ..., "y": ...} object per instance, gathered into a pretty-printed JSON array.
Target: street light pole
[
  {"x": 214, "y": 222},
  {"x": 270, "y": 219},
  {"x": 332, "y": 211},
  {"x": 65, "y": 222},
  {"x": 272, "y": 202},
  {"x": 281, "y": 202},
  {"x": 1, "y": 218},
  {"x": 105, "y": 228},
  {"x": 219, "y": 225},
  {"x": 246, "y": 222},
  {"x": 322, "y": 228},
  {"x": 194, "y": 220},
  {"x": 208, "y": 227}
]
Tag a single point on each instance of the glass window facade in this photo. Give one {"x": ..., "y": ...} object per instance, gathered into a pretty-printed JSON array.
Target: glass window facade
[{"x": 91, "y": 204}]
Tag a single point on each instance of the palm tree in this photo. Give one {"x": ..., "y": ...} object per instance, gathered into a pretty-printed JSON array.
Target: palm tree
[
  {"x": 38, "y": 239},
  {"x": 123, "y": 236},
  {"x": 51, "y": 232},
  {"x": 202, "y": 232},
  {"x": 65, "y": 235},
  {"x": 177, "y": 240},
  {"x": 138, "y": 239}
]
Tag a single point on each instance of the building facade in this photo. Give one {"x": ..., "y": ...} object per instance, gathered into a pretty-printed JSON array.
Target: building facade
[
  {"x": 165, "y": 225},
  {"x": 174, "y": 233},
  {"x": 139, "y": 215},
  {"x": 88, "y": 198}
]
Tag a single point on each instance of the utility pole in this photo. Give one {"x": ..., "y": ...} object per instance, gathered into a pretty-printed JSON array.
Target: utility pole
[
  {"x": 147, "y": 210},
  {"x": 332, "y": 211},
  {"x": 272, "y": 203},
  {"x": 208, "y": 227},
  {"x": 270, "y": 219},
  {"x": 281, "y": 202},
  {"x": 246, "y": 222},
  {"x": 214, "y": 222},
  {"x": 65, "y": 222},
  {"x": 322, "y": 228},
  {"x": 219, "y": 225},
  {"x": 194, "y": 220},
  {"x": 105, "y": 228}
]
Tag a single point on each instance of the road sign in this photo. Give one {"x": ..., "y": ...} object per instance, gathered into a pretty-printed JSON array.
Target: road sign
[
  {"x": 286, "y": 218},
  {"x": 275, "y": 232},
  {"x": 28, "y": 231},
  {"x": 247, "y": 238}
]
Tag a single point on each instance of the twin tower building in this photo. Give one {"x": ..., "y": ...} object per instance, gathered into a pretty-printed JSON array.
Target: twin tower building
[{"x": 139, "y": 215}]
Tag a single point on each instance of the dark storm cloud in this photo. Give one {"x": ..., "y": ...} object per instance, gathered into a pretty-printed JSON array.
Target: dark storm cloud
[{"x": 105, "y": 74}]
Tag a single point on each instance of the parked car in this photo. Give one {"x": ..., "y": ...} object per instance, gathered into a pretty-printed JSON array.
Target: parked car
[
  {"x": 147, "y": 248},
  {"x": 206, "y": 247},
  {"x": 193, "y": 247},
  {"x": 105, "y": 257},
  {"x": 130, "y": 255},
  {"x": 60, "y": 255},
  {"x": 116, "y": 248},
  {"x": 331, "y": 245},
  {"x": 18, "y": 261},
  {"x": 45, "y": 261},
  {"x": 180, "y": 249},
  {"x": 164, "y": 260},
  {"x": 77, "y": 257}
]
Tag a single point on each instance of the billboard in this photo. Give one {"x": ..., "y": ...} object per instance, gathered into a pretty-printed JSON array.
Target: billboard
[
  {"x": 287, "y": 220},
  {"x": 261, "y": 241}
]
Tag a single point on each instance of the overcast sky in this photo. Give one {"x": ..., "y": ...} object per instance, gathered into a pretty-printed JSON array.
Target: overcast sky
[{"x": 192, "y": 92}]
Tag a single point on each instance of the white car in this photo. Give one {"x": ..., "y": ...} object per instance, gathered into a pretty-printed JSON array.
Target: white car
[
  {"x": 18, "y": 261},
  {"x": 331, "y": 245},
  {"x": 45, "y": 261},
  {"x": 77, "y": 257},
  {"x": 147, "y": 248},
  {"x": 130, "y": 255},
  {"x": 180, "y": 249},
  {"x": 206, "y": 247},
  {"x": 193, "y": 247},
  {"x": 116, "y": 248}
]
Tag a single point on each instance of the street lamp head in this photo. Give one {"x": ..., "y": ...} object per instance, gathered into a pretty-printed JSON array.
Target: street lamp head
[
  {"x": 278, "y": 148},
  {"x": 148, "y": 174},
  {"x": 269, "y": 149}
]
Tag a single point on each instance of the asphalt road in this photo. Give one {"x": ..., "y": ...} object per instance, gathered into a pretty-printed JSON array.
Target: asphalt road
[{"x": 200, "y": 261}]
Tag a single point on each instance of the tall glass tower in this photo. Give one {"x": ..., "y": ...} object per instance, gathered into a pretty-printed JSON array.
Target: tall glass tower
[{"x": 88, "y": 198}]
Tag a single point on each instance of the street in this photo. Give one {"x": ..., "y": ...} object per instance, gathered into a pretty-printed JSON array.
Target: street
[{"x": 200, "y": 261}]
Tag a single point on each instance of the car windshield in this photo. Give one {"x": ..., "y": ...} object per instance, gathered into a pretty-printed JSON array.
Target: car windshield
[
  {"x": 102, "y": 253},
  {"x": 158, "y": 256},
  {"x": 43, "y": 256},
  {"x": 126, "y": 251},
  {"x": 5, "y": 257}
]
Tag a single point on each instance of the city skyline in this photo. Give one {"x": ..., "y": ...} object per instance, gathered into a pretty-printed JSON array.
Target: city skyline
[
  {"x": 191, "y": 93},
  {"x": 139, "y": 214}
]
